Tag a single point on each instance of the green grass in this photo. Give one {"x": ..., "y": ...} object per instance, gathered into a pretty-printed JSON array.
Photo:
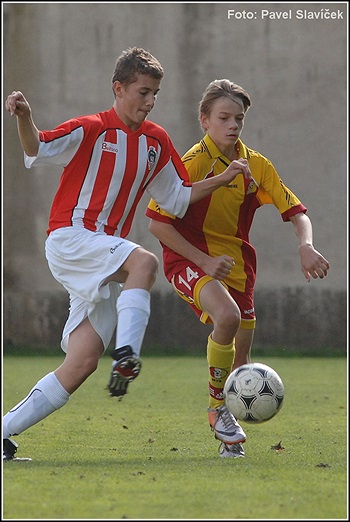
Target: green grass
[{"x": 153, "y": 456}]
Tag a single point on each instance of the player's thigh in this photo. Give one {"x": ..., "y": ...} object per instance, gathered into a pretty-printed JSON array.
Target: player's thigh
[{"x": 217, "y": 302}]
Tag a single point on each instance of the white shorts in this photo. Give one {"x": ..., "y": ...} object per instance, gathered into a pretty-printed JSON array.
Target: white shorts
[{"x": 81, "y": 261}]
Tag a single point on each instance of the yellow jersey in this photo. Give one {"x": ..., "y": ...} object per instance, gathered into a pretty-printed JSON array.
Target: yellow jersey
[{"x": 220, "y": 223}]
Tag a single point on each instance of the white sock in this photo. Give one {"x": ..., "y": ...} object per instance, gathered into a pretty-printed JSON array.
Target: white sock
[
  {"x": 133, "y": 308},
  {"x": 47, "y": 396}
]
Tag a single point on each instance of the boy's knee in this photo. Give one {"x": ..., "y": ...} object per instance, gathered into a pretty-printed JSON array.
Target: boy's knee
[
  {"x": 150, "y": 263},
  {"x": 229, "y": 318},
  {"x": 154, "y": 263},
  {"x": 88, "y": 366}
]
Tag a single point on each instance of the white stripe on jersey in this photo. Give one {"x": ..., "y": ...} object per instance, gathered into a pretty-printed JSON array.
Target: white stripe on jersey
[
  {"x": 89, "y": 182},
  {"x": 116, "y": 181},
  {"x": 168, "y": 193},
  {"x": 142, "y": 162},
  {"x": 60, "y": 151}
]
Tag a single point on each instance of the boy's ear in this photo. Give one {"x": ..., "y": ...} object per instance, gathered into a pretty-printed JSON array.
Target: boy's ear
[
  {"x": 117, "y": 88},
  {"x": 203, "y": 121}
]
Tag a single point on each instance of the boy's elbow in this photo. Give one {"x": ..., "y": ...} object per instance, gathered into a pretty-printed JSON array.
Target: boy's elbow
[
  {"x": 30, "y": 149},
  {"x": 151, "y": 226},
  {"x": 156, "y": 228}
]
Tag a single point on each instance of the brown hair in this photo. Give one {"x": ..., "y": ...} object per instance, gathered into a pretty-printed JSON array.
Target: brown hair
[
  {"x": 135, "y": 61},
  {"x": 222, "y": 88}
]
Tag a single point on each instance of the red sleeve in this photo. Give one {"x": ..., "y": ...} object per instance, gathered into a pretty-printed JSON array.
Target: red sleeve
[
  {"x": 157, "y": 216},
  {"x": 293, "y": 211}
]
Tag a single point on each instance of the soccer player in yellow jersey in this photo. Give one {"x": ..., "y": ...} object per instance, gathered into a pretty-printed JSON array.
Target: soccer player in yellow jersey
[{"x": 207, "y": 255}]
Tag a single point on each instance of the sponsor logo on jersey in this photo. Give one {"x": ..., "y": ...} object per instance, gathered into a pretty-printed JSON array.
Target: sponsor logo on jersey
[{"x": 109, "y": 147}]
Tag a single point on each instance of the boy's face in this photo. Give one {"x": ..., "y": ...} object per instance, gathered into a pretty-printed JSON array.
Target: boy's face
[
  {"x": 225, "y": 122},
  {"x": 134, "y": 102}
]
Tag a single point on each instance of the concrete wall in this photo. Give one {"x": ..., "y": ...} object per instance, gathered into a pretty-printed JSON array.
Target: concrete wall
[{"x": 62, "y": 56}]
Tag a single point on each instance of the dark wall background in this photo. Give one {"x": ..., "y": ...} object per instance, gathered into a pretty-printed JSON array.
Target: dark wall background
[
  {"x": 291, "y": 321},
  {"x": 62, "y": 56}
]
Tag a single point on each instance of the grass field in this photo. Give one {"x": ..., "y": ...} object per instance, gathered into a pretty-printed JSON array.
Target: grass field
[{"x": 153, "y": 456}]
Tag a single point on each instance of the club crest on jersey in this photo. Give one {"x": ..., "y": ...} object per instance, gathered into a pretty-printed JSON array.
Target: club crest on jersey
[
  {"x": 251, "y": 187},
  {"x": 152, "y": 155}
]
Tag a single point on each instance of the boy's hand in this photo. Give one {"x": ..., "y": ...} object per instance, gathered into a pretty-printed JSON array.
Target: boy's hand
[
  {"x": 16, "y": 104},
  {"x": 218, "y": 267},
  {"x": 236, "y": 167},
  {"x": 313, "y": 264}
]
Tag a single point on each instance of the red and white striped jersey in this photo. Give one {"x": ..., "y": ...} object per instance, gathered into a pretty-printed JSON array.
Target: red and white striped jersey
[{"x": 106, "y": 169}]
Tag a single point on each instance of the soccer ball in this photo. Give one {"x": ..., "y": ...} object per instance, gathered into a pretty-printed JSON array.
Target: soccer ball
[{"x": 254, "y": 393}]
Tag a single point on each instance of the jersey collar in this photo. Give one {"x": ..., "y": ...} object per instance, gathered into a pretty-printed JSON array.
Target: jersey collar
[
  {"x": 121, "y": 125},
  {"x": 213, "y": 152}
]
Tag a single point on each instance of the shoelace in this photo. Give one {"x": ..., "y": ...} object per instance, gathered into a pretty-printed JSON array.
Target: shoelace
[{"x": 226, "y": 417}]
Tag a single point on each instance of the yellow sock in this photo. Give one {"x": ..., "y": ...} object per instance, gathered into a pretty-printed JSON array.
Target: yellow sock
[{"x": 220, "y": 359}]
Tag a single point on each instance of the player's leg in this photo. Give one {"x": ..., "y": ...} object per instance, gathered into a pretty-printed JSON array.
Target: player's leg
[
  {"x": 225, "y": 315},
  {"x": 243, "y": 344},
  {"x": 91, "y": 265},
  {"x": 85, "y": 348},
  {"x": 138, "y": 273},
  {"x": 139, "y": 270},
  {"x": 53, "y": 391},
  {"x": 212, "y": 303},
  {"x": 245, "y": 334}
]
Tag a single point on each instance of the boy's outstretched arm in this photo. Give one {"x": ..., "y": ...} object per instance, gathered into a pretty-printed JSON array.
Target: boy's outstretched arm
[
  {"x": 205, "y": 187},
  {"x": 18, "y": 106},
  {"x": 313, "y": 264}
]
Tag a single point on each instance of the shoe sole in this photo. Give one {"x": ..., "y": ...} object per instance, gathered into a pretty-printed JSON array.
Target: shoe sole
[
  {"x": 242, "y": 439},
  {"x": 227, "y": 455},
  {"x": 127, "y": 369},
  {"x": 18, "y": 459},
  {"x": 224, "y": 453}
]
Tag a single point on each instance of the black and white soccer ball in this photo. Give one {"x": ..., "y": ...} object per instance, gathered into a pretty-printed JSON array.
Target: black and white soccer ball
[{"x": 254, "y": 393}]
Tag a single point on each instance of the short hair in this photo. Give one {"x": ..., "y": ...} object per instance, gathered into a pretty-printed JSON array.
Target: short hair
[
  {"x": 219, "y": 89},
  {"x": 134, "y": 61}
]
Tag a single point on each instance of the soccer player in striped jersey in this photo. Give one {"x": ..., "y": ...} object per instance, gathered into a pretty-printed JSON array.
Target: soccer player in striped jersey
[
  {"x": 207, "y": 255},
  {"x": 109, "y": 160}
]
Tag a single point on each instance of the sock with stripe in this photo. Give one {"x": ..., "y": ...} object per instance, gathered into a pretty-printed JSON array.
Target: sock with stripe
[{"x": 220, "y": 359}]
